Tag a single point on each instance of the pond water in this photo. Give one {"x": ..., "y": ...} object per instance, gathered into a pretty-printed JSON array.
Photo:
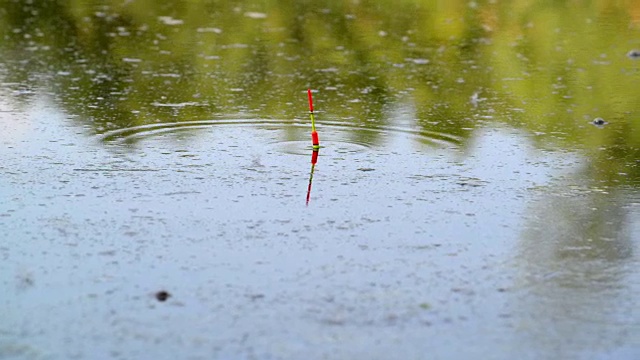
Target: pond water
[{"x": 160, "y": 197}]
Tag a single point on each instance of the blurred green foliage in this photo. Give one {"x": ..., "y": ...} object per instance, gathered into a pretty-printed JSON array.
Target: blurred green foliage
[{"x": 548, "y": 67}]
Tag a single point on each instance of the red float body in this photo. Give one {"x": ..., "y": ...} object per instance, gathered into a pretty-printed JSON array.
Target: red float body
[{"x": 310, "y": 100}]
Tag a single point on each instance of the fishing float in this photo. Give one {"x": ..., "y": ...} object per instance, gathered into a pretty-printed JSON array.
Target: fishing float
[
  {"x": 314, "y": 134},
  {"x": 315, "y": 141}
]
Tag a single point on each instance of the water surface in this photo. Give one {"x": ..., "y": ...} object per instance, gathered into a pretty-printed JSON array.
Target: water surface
[{"x": 463, "y": 203}]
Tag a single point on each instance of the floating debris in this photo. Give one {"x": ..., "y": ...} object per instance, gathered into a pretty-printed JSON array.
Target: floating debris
[
  {"x": 599, "y": 121},
  {"x": 162, "y": 295},
  {"x": 634, "y": 54}
]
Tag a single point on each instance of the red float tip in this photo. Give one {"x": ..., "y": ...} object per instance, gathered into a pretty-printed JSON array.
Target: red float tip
[
  {"x": 310, "y": 100},
  {"x": 314, "y": 139}
]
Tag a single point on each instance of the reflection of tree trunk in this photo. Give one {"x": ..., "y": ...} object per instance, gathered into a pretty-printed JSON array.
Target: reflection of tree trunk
[{"x": 575, "y": 257}]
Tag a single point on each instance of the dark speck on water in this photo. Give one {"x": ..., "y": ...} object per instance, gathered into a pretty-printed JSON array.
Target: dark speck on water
[
  {"x": 255, "y": 296},
  {"x": 634, "y": 54},
  {"x": 162, "y": 295}
]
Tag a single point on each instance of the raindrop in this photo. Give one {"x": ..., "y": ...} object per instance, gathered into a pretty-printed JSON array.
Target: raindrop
[
  {"x": 210, "y": 30},
  {"x": 421, "y": 61},
  {"x": 168, "y": 20},
  {"x": 255, "y": 15}
]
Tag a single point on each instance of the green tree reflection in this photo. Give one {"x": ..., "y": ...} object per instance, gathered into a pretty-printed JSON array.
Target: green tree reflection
[{"x": 547, "y": 67}]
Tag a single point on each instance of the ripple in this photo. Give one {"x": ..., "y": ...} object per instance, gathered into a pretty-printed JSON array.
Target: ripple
[
  {"x": 341, "y": 137},
  {"x": 300, "y": 147},
  {"x": 147, "y": 130}
]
